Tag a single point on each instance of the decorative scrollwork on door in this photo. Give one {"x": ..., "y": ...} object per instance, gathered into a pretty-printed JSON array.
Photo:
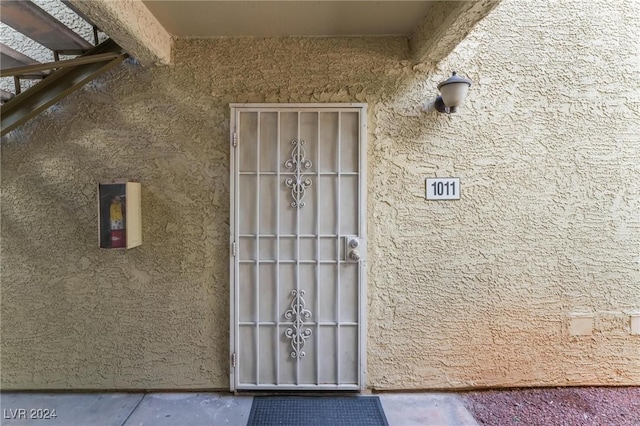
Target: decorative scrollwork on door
[
  {"x": 297, "y": 333},
  {"x": 298, "y": 183}
]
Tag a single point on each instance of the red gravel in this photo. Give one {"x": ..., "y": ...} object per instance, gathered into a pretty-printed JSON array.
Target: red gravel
[{"x": 556, "y": 406}]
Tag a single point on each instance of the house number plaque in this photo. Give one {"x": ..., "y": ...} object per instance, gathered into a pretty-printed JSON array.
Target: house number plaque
[{"x": 443, "y": 188}]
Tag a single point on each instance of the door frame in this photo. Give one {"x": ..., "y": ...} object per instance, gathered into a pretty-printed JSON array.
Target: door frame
[{"x": 235, "y": 109}]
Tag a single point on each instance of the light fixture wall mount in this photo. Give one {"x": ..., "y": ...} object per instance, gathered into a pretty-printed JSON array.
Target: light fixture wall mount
[{"x": 453, "y": 91}]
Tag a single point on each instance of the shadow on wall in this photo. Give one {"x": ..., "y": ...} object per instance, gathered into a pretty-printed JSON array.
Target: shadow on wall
[{"x": 51, "y": 168}]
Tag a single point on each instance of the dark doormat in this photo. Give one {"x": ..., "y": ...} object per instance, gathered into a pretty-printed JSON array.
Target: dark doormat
[{"x": 317, "y": 411}]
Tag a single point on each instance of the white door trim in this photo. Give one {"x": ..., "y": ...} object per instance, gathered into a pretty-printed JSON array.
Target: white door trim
[{"x": 236, "y": 108}]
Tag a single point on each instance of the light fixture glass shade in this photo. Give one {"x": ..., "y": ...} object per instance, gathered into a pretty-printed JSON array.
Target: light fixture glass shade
[
  {"x": 453, "y": 91},
  {"x": 454, "y": 94}
]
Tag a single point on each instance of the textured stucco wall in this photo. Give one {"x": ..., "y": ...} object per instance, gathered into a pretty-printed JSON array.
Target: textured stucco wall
[
  {"x": 132, "y": 26},
  {"x": 477, "y": 292},
  {"x": 445, "y": 26},
  {"x": 480, "y": 292}
]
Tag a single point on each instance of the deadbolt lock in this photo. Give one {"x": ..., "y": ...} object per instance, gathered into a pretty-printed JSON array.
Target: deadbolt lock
[{"x": 353, "y": 246}]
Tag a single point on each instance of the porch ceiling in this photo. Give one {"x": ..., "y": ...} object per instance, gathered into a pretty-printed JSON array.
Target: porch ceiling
[
  {"x": 186, "y": 18},
  {"x": 146, "y": 29}
]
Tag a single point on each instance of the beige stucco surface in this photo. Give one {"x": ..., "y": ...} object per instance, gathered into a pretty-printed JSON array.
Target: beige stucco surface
[
  {"x": 446, "y": 25},
  {"x": 476, "y": 292},
  {"x": 132, "y": 26}
]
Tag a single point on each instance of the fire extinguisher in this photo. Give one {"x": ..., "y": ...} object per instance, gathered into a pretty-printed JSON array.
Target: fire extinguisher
[{"x": 117, "y": 224}]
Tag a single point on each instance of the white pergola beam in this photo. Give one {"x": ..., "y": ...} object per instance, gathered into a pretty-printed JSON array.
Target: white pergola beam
[
  {"x": 132, "y": 26},
  {"x": 447, "y": 23}
]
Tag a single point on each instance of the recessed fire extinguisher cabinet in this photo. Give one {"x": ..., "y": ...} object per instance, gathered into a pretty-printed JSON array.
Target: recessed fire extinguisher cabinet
[{"x": 120, "y": 214}]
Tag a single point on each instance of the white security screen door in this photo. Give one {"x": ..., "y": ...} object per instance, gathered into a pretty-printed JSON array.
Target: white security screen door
[{"x": 298, "y": 287}]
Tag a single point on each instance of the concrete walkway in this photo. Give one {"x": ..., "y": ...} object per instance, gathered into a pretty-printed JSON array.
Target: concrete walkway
[{"x": 195, "y": 409}]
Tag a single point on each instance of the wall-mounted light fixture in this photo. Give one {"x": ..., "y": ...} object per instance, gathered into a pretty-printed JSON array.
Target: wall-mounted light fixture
[{"x": 453, "y": 91}]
